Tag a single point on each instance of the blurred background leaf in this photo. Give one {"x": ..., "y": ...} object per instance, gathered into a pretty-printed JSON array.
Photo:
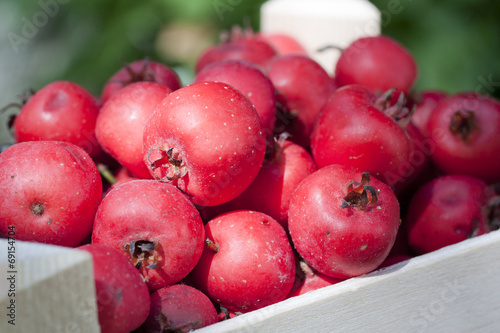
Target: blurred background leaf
[{"x": 455, "y": 42}]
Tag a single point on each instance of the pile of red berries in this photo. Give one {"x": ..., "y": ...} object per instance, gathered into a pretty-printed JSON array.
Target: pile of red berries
[{"x": 263, "y": 179}]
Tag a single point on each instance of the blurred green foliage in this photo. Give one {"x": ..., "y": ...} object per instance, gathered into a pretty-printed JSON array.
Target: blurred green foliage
[
  {"x": 94, "y": 37},
  {"x": 456, "y": 42}
]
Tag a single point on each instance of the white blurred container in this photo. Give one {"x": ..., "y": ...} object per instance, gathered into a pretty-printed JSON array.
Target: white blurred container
[{"x": 319, "y": 23}]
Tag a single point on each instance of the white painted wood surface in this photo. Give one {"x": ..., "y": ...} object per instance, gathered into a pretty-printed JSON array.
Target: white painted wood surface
[
  {"x": 319, "y": 23},
  {"x": 454, "y": 289},
  {"x": 54, "y": 289}
]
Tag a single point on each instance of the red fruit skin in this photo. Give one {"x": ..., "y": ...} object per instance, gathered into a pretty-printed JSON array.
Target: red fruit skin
[
  {"x": 218, "y": 135},
  {"x": 123, "y": 299},
  {"x": 289, "y": 75},
  {"x": 156, "y": 212},
  {"x": 60, "y": 111},
  {"x": 61, "y": 178},
  {"x": 272, "y": 189},
  {"x": 351, "y": 131},
  {"x": 249, "y": 79},
  {"x": 124, "y": 174},
  {"x": 417, "y": 165},
  {"x": 394, "y": 260},
  {"x": 479, "y": 154},
  {"x": 141, "y": 70},
  {"x": 253, "y": 50},
  {"x": 447, "y": 210},
  {"x": 378, "y": 63},
  {"x": 341, "y": 242},
  {"x": 254, "y": 266},
  {"x": 179, "y": 308},
  {"x": 283, "y": 44},
  {"x": 313, "y": 281},
  {"x": 426, "y": 102},
  {"x": 120, "y": 124}
]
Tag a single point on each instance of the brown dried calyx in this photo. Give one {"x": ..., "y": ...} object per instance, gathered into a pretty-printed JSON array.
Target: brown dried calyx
[
  {"x": 143, "y": 74},
  {"x": 399, "y": 111},
  {"x": 463, "y": 123},
  {"x": 360, "y": 194},
  {"x": 171, "y": 160},
  {"x": 142, "y": 253},
  {"x": 37, "y": 209}
]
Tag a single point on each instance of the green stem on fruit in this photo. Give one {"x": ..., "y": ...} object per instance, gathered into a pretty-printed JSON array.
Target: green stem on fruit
[{"x": 106, "y": 174}]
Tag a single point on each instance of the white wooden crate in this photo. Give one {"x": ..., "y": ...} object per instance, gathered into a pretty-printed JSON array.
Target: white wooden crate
[
  {"x": 450, "y": 290},
  {"x": 54, "y": 289},
  {"x": 454, "y": 289}
]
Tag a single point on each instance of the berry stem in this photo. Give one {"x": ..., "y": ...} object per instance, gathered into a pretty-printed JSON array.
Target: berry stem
[
  {"x": 105, "y": 173},
  {"x": 211, "y": 245}
]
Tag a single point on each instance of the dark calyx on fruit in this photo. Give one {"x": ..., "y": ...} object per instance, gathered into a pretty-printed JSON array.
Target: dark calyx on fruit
[
  {"x": 398, "y": 111},
  {"x": 176, "y": 168},
  {"x": 144, "y": 74},
  {"x": 37, "y": 209},
  {"x": 360, "y": 194},
  {"x": 142, "y": 253},
  {"x": 463, "y": 123}
]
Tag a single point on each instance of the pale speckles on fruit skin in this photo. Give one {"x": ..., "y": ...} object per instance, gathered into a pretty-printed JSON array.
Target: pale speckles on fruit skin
[{"x": 204, "y": 150}]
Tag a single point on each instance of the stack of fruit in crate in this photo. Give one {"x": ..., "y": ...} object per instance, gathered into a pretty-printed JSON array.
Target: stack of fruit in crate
[{"x": 263, "y": 179}]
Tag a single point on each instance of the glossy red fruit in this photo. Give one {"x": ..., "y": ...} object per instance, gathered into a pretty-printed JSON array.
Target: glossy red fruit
[
  {"x": 447, "y": 210},
  {"x": 378, "y": 63},
  {"x": 179, "y": 308},
  {"x": 49, "y": 192},
  {"x": 251, "y": 81},
  {"x": 141, "y": 70},
  {"x": 247, "y": 263},
  {"x": 302, "y": 102},
  {"x": 121, "y": 121},
  {"x": 313, "y": 280},
  {"x": 285, "y": 167},
  {"x": 465, "y": 130},
  {"x": 426, "y": 101},
  {"x": 155, "y": 226},
  {"x": 122, "y": 296},
  {"x": 206, "y": 139},
  {"x": 60, "y": 111},
  {"x": 282, "y": 43},
  {"x": 250, "y": 49},
  {"x": 343, "y": 223},
  {"x": 355, "y": 128}
]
